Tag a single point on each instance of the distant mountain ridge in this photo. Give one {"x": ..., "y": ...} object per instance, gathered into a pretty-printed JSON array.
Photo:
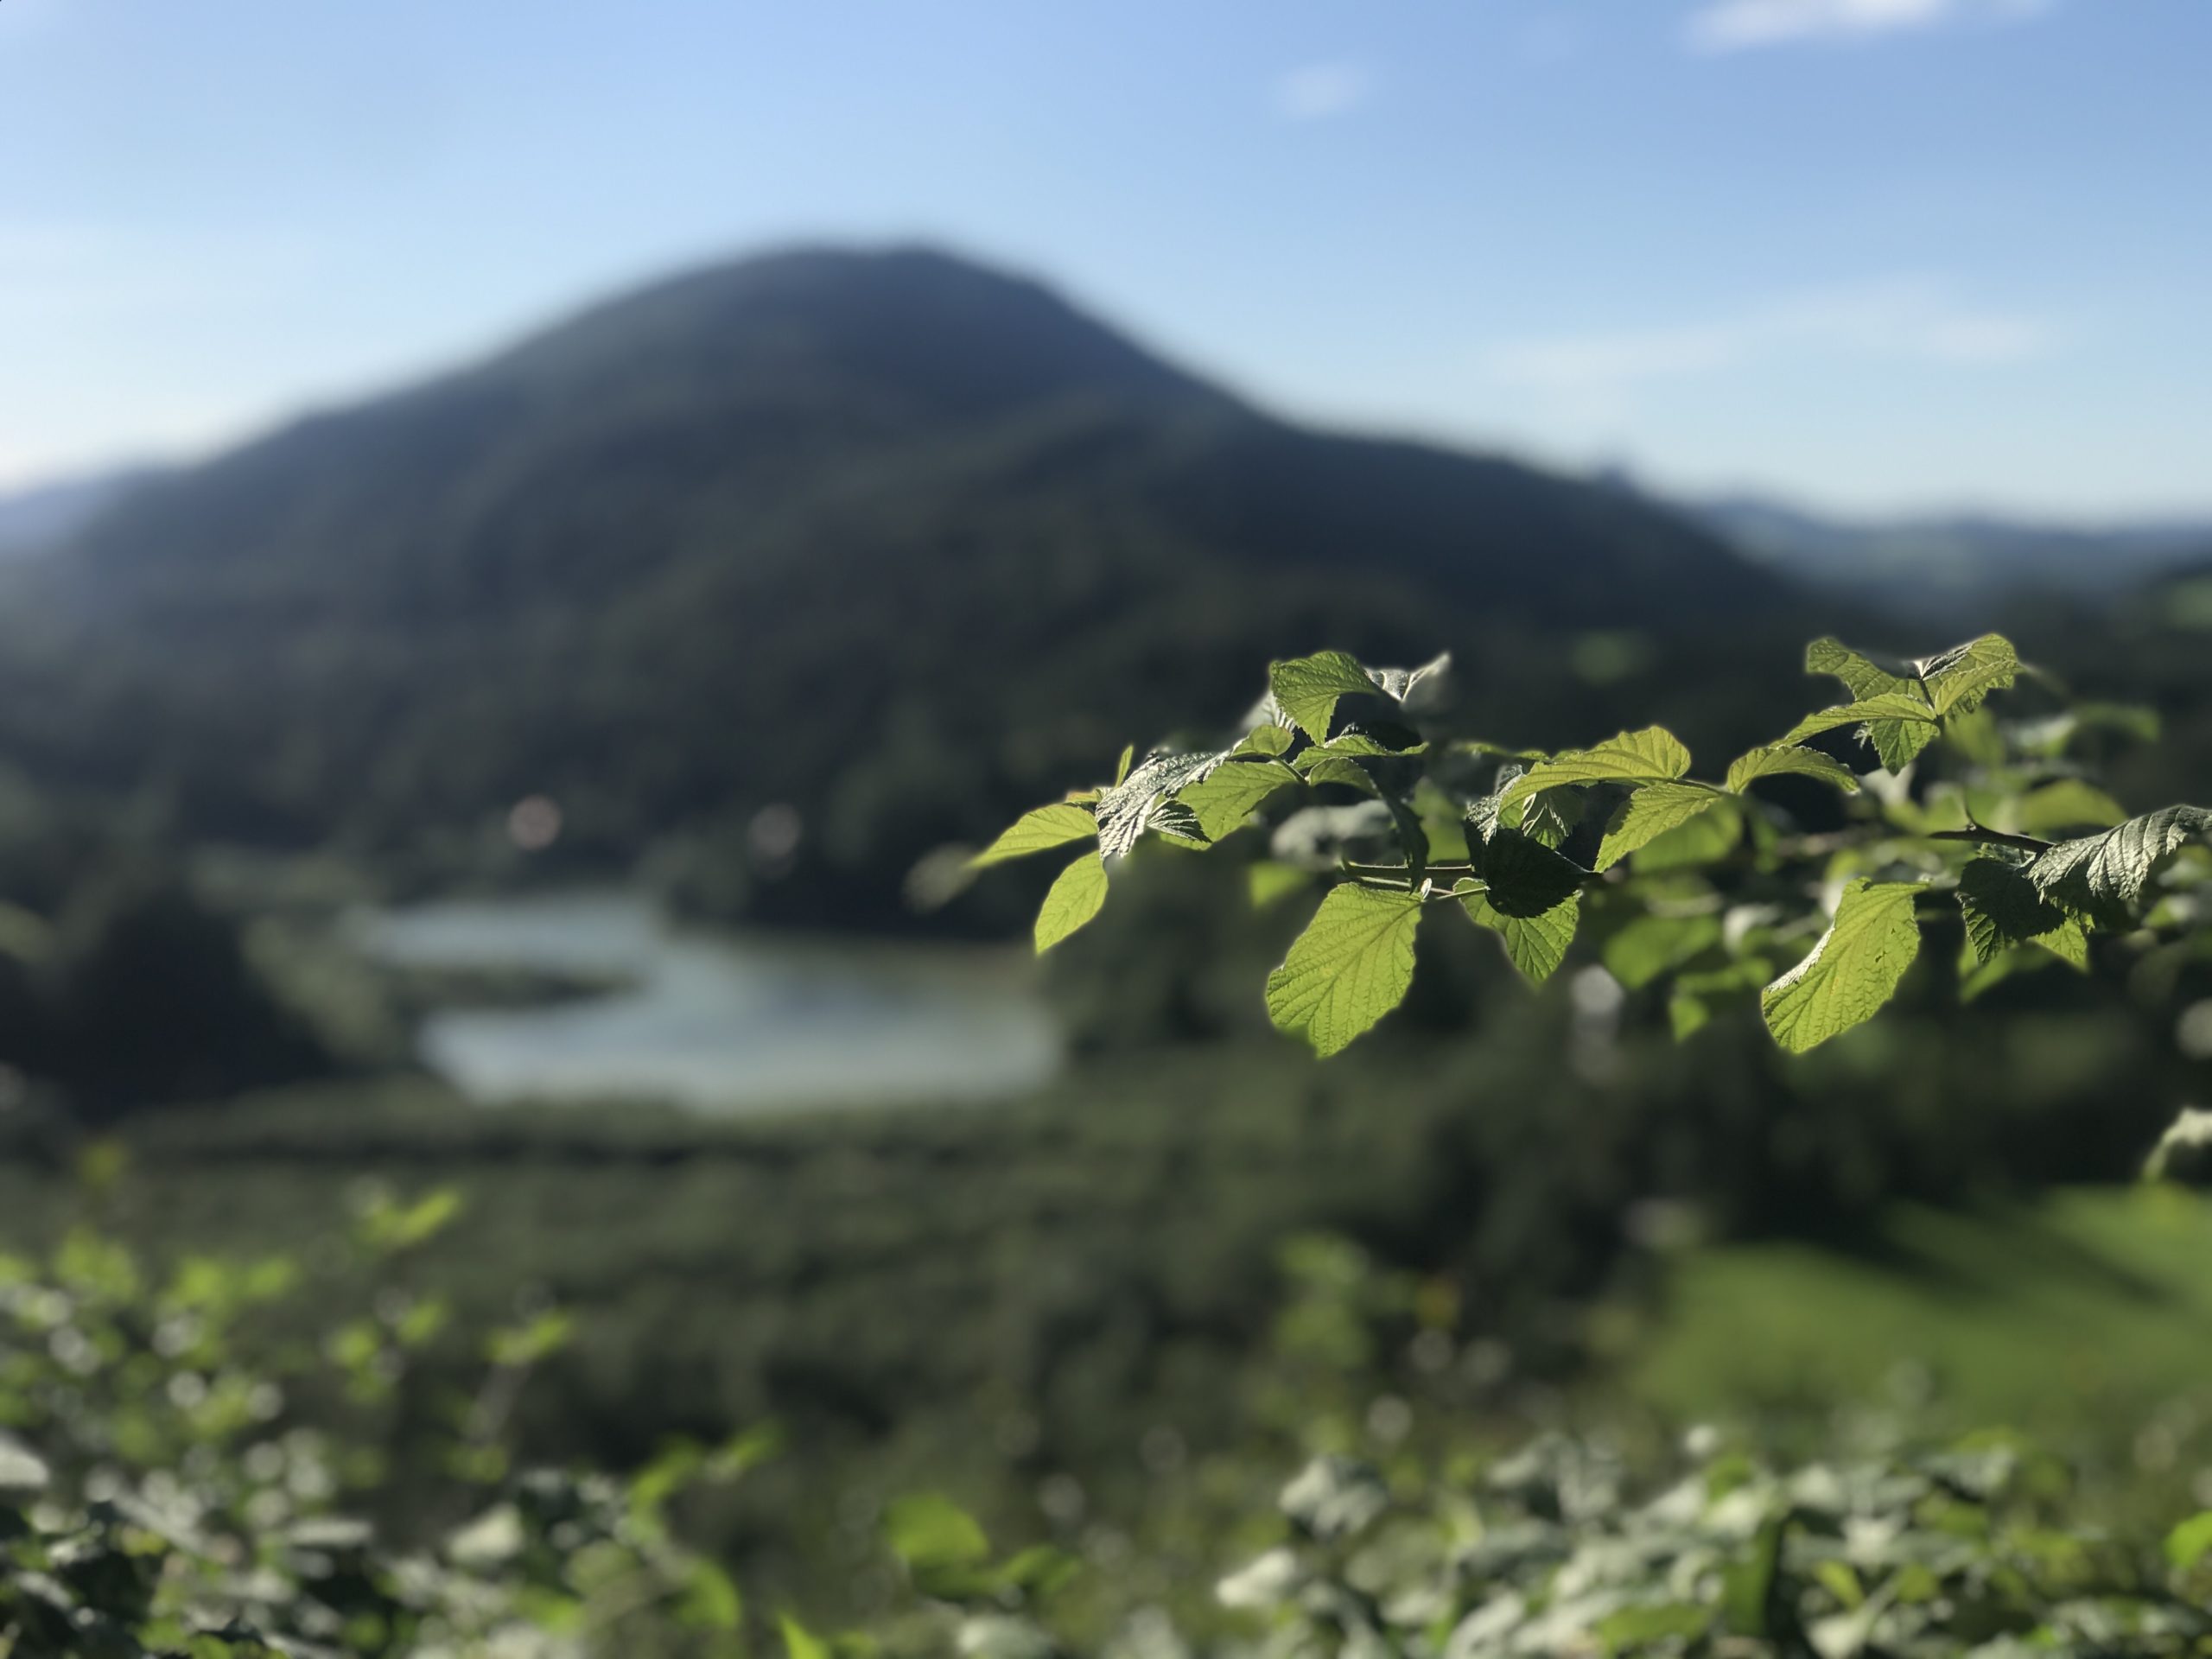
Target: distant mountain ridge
[
  {"x": 888, "y": 536},
  {"x": 39, "y": 518},
  {"x": 1951, "y": 564}
]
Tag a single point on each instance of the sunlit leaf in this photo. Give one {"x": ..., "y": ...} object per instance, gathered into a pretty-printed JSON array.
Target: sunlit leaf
[
  {"x": 1226, "y": 797},
  {"x": 2069, "y": 803},
  {"x": 1268, "y": 879},
  {"x": 1852, "y": 972},
  {"x": 1127, "y": 810},
  {"x": 1654, "y": 944},
  {"x": 1650, "y": 756},
  {"x": 926, "y": 1530},
  {"x": 799, "y": 1642},
  {"x": 1534, "y": 945},
  {"x": 1958, "y": 679},
  {"x": 1305, "y": 689},
  {"x": 2189, "y": 1544},
  {"x": 1353, "y": 965},
  {"x": 1074, "y": 899},
  {"x": 1649, "y": 813},
  {"x": 1776, "y": 760},
  {"x": 1703, "y": 839},
  {"x": 2105, "y": 875},
  {"x": 1037, "y": 830}
]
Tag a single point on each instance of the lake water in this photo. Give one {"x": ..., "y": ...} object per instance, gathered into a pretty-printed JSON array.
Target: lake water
[{"x": 718, "y": 1022}]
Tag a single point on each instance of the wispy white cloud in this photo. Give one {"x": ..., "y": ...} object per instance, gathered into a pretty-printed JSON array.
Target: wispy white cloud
[
  {"x": 1595, "y": 377},
  {"x": 1314, "y": 91},
  {"x": 1740, "y": 25}
]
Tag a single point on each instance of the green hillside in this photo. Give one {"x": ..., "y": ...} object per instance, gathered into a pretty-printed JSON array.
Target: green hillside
[{"x": 744, "y": 537}]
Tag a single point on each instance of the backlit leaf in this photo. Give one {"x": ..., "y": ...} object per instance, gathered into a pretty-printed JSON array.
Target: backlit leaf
[
  {"x": 1852, "y": 972},
  {"x": 1351, "y": 965},
  {"x": 1073, "y": 901},
  {"x": 2190, "y": 1543},
  {"x": 1126, "y": 810},
  {"x": 1958, "y": 679},
  {"x": 2103, "y": 875},
  {"x": 1230, "y": 794},
  {"x": 1650, "y": 756},
  {"x": 925, "y": 1530},
  {"x": 1777, "y": 760},
  {"x": 1899, "y": 724},
  {"x": 1268, "y": 879},
  {"x": 1703, "y": 840},
  {"x": 1037, "y": 830},
  {"x": 1305, "y": 689},
  {"x": 1649, "y": 813},
  {"x": 1534, "y": 945},
  {"x": 2069, "y": 804},
  {"x": 1651, "y": 945}
]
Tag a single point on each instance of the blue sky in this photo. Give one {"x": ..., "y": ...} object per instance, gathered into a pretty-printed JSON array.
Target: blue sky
[{"x": 1874, "y": 253}]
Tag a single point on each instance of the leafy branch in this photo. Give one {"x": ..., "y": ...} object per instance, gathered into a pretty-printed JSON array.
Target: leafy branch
[{"x": 1362, "y": 789}]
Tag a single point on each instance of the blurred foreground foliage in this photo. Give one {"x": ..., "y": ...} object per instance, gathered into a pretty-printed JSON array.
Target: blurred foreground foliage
[{"x": 180, "y": 1476}]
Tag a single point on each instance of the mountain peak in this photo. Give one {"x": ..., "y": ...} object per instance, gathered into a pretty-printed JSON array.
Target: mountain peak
[{"x": 907, "y": 322}]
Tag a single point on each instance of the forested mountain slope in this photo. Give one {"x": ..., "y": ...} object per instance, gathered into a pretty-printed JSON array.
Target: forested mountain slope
[{"x": 886, "y": 537}]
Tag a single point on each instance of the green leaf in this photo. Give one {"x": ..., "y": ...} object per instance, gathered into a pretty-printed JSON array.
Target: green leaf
[
  {"x": 1442, "y": 823},
  {"x": 1357, "y": 743},
  {"x": 1852, "y": 972},
  {"x": 1633, "y": 1629},
  {"x": 1521, "y": 876},
  {"x": 1687, "y": 1016},
  {"x": 1036, "y": 830},
  {"x": 1321, "y": 767},
  {"x": 2002, "y": 908},
  {"x": 1305, "y": 689},
  {"x": 2069, "y": 804},
  {"x": 1900, "y": 724},
  {"x": 1226, "y": 797},
  {"x": 1649, "y": 813},
  {"x": 1750, "y": 1587},
  {"x": 925, "y": 1530},
  {"x": 1127, "y": 810},
  {"x": 1954, "y": 681},
  {"x": 1268, "y": 740},
  {"x": 1777, "y": 760},
  {"x": 2190, "y": 1543},
  {"x": 2103, "y": 875},
  {"x": 1550, "y": 815},
  {"x": 1651, "y": 945},
  {"x": 1975, "y": 980},
  {"x": 710, "y": 1600},
  {"x": 1534, "y": 944},
  {"x": 1862, "y": 673},
  {"x": 1399, "y": 684},
  {"x": 1267, "y": 880},
  {"x": 1958, "y": 679},
  {"x": 1353, "y": 965},
  {"x": 1073, "y": 901},
  {"x": 1653, "y": 755},
  {"x": 1688, "y": 1007},
  {"x": 799, "y": 1642},
  {"x": 1122, "y": 766},
  {"x": 1705, "y": 838}
]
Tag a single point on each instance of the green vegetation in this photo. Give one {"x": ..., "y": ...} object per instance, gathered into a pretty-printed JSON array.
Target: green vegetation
[
  {"x": 2082, "y": 1320},
  {"x": 1619, "y": 833},
  {"x": 887, "y": 540},
  {"x": 788, "y": 585}
]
